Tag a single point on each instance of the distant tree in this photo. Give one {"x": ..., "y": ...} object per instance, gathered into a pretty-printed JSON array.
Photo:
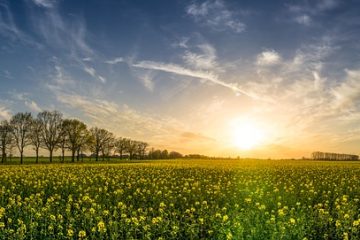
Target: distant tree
[
  {"x": 63, "y": 142},
  {"x": 164, "y": 154},
  {"x": 51, "y": 130},
  {"x": 174, "y": 154},
  {"x": 156, "y": 154},
  {"x": 76, "y": 132},
  {"x": 5, "y": 139},
  {"x": 108, "y": 146},
  {"x": 131, "y": 147},
  {"x": 98, "y": 139},
  {"x": 120, "y": 146},
  {"x": 35, "y": 136},
  {"x": 141, "y": 149},
  {"x": 21, "y": 128}
]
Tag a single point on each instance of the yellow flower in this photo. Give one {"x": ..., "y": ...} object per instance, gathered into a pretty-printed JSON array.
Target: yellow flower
[
  {"x": 70, "y": 232},
  {"x": 337, "y": 223},
  {"x": 2, "y": 224},
  {"x": 225, "y": 218},
  {"x": 292, "y": 221},
  {"x": 101, "y": 227},
  {"x": 356, "y": 223},
  {"x": 82, "y": 234}
]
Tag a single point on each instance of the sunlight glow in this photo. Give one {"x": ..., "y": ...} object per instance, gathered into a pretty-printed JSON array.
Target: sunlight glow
[{"x": 247, "y": 135}]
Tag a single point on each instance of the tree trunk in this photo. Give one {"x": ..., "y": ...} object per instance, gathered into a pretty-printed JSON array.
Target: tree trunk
[
  {"x": 37, "y": 155},
  {"x": 78, "y": 155},
  {"x": 63, "y": 154},
  {"x": 72, "y": 155},
  {"x": 97, "y": 156},
  {"x": 51, "y": 155},
  {"x": 21, "y": 157}
]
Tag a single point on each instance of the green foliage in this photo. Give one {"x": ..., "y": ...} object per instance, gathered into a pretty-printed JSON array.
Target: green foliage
[{"x": 183, "y": 199}]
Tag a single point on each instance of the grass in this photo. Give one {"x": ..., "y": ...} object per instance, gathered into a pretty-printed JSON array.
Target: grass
[{"x": 181, "y": 199}]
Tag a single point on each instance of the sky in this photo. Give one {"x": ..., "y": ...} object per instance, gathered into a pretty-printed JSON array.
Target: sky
[{"x": 268, "y": 79}]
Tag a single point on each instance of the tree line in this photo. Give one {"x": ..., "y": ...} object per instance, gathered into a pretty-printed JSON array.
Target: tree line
[
  {"x": 50, "y": 131},
  {"x": 334, "y": 156}
]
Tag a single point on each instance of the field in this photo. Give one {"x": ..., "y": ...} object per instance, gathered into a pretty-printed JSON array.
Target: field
[{"x": 181, "y": 199}]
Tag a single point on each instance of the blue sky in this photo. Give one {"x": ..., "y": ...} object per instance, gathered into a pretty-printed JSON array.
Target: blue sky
[{"x": 184, "y": 75}]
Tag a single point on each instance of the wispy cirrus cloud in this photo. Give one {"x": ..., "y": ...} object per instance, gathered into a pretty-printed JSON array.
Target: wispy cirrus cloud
[
  {"x": 215, "y": 14},
  {"x": 305, "y": 11},
  {"x": 92, "y": 72},
  {"x": 205, "y": 58},
  {"x": 115, "y": 60},
  {"x": 204, "y": 75},
  {"x": 58, "y": 32},
  {"x": 45, "y": 3},
  {"x": 27, "y": 101},
  {"x": 9, "y": 28}
]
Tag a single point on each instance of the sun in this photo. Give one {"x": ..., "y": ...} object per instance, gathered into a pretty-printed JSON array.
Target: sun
[{"x": 247, "y": 135}]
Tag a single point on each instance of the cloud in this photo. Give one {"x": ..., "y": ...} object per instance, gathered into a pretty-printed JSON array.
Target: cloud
[
  {"x": 92, "y": 72},
  {"x": 215, "y": 14},
  {"x": 33, "y": 106},
  {"x": 347, "y": 94},
  {"x": 267, "y": 58},
  {"x": 204, "y": 75},
  {"x": 206, "y": 59},
  {"x": 58, "y": 32},
  {"x": 115, "y": 61},
  {"x": 121, "y": 118},
  {"x": 310, "y": 9},
  {"x": 6, "y": 74},
  {"x": 24, "y": 97},
  {"x": 5, "y": 113},
  {"x": 45, "y": 3},
  {"x": 303, "y": 19},
  {"x": 10, "y": 30},
  {"x": 191, "y": 136},
  {"x": 147, "y": 80}
]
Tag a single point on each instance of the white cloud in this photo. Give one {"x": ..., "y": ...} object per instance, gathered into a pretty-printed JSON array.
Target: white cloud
[
  {"x": 215, "y": 14},
  {"x": 59, "y": 32},
  {"x": 303, "y": 19},
  {"x": 33, "y": 106},
  {"x": 203, "y": 75},
  {"x": 147, "y": 80},
  {"x": 267, "y": 58},
  {"x": 347, "y": 94},
  {"x": 10, "y": 30},
  {"x": 24, "y": 97},
  {"x": 206, "y": 59},
  {"x": 5, "y": 113},
  {"x": 309, "y": 10},
  {"x": 45, "y": 3},
  {"x": 115, "y": 61},
  {"x": 92, "y": 72}
]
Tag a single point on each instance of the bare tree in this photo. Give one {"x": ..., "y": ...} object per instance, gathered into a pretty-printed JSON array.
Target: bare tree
[
  {"x": 99, "y": 138},
  {"x": 131, "y": 147},
  {"x": 120, "y": 146},
  {"x": 20, "y": 128},
  {"x": 35, "y": 136},
  {"x": 141, "y": 149},
  {"x": 5, "y": 139},
  {"x": 108, "y": 147},
  {"x": 77, "y": 133},
  {"x": 63, "y": 140},
  {"x": 50, "y": 130}
]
